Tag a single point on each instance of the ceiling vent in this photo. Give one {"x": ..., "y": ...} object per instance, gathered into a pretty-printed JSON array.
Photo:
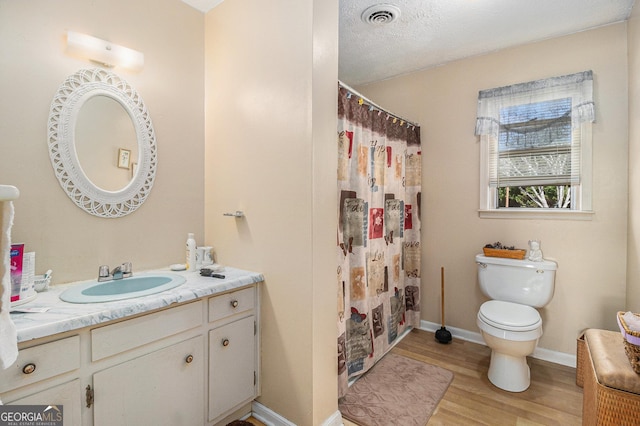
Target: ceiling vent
[{"x": 380, "y": 14}]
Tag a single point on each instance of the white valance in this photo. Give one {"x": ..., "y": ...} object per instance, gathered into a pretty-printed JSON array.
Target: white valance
[{"x": 579, "y": 86}]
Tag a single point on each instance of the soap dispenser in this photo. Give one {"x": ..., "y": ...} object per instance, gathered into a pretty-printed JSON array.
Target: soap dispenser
[{"x": 191, "y": 252}]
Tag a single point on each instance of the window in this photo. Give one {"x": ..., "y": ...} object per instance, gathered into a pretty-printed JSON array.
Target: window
[{"x": 536, "y": 145}]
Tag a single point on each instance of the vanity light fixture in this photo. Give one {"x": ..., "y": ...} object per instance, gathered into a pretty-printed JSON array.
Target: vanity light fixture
[{"x": 104, "y": 52}]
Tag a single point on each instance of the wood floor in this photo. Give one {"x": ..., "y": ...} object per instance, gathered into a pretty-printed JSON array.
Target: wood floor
[{"x": 552, "y": 399}]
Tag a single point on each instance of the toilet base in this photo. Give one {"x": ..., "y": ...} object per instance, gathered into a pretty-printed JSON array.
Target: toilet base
[
  {"x": 510, "y": 373},
  {"x": 509, "y": 369}
]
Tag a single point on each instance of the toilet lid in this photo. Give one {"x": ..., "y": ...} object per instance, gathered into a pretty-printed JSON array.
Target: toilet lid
[{"x": 510, "y": 316}]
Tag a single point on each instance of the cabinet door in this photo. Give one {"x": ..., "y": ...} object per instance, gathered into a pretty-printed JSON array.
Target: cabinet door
[
  {"x": 68, "y": 395},
  {"x": 165, "y": 387},
  {"x": 232, "y": 366}
]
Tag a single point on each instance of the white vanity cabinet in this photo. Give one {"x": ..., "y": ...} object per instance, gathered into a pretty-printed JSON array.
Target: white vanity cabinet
[
  {"x": 233, "y": 352},
  {"x": 193, "y": 363}
]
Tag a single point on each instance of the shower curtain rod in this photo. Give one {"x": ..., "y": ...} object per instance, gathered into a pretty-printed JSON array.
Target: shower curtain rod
[{"x": 374, "y": 105}]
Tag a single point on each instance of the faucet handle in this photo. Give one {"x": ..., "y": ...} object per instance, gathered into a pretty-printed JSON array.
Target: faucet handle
[
  {"x": 103, "y": 271},
  {"x": 126, "y": 268}
]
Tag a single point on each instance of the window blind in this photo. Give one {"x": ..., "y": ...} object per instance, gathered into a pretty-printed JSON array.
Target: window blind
[{"x": 535, "y": 146}]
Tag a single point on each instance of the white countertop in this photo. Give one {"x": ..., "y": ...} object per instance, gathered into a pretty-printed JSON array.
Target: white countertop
[{"x": 63, "y": 316}]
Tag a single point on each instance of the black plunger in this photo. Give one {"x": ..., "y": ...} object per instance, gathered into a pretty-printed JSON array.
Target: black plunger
[{"x": 442, "y": 335}]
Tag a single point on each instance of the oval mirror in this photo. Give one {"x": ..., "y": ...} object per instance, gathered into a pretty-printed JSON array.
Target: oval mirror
[
  {"x": 103, "y": 128},
  {"x": 100, "y": 132}
]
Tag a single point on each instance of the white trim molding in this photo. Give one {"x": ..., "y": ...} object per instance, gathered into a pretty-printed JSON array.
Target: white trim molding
[
  {"x": 268, "y": 416},
  {"x": 556, "y": 357},
  {"x": 334, "y": 420},
  {"x": 522, "y": 213},
  {"x": 271, "y": 418}
]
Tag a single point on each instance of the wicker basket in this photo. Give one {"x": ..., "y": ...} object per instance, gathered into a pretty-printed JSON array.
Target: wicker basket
[
  {"x": 581, "y": 359},
  {"x": 603, "y": 405},
  {"x": 631, "y": 342},
  {"x": 510, "y": 254}
]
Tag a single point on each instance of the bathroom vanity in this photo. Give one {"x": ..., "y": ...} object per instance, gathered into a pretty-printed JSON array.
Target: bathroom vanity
[{"x": 186, "y": 356}]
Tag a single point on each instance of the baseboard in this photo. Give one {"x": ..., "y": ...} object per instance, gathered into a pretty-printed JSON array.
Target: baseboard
[
  {"x": 268, "y": 416},
  {"x": 334, "y": 420},
  {"x": 271, "y": 418},
  {"x": 540, "y": 353}
]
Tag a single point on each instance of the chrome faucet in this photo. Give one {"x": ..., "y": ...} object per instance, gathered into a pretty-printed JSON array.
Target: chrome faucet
[{"x": 118, "y": 273}]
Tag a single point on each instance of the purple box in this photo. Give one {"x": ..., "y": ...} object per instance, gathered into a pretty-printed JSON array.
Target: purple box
[{"x": 17, "y": 251}]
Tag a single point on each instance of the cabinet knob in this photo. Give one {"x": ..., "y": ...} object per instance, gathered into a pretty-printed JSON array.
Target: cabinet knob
[
  {"x": 234, "y": 303},
  {"x": 29, "y": 368},
  {"x": 189, "y": 359},
  {"x": 225, "y": 342}
]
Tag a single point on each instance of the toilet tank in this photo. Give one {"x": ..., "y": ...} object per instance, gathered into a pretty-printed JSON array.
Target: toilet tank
[{"x": 518, "y": 281}]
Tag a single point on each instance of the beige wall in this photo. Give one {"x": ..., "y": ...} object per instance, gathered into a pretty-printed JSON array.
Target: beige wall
[
  {"x": 270, "y": 152},
  {"x": 324, "y": 163},
  {"x": 271, "y": 73},
  {"x": 633, "y": 255},
  {"x": 591, "y": 279},
  {"x": 33, "y": 64},
  {"x": 270, "y": 105}
]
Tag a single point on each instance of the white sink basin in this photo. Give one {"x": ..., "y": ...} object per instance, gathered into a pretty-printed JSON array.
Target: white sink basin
[{"x": 126, "y": 288}]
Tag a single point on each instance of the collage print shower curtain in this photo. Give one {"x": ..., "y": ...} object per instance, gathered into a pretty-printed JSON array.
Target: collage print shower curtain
[{"x": 379, "y": 184}]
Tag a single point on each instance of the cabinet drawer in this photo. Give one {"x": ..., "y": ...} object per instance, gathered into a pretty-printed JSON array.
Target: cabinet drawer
[
  {"x": 44, "y": 361},
  {"x": 123, "y": 336},
  {"x": 231, "y": 303}
]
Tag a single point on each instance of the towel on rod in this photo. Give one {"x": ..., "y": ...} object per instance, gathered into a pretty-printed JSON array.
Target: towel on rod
[{"x": 8, "y": 334}]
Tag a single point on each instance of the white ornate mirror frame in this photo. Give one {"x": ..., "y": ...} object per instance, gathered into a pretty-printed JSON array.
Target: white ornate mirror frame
[{"x": 66, "y": 105}]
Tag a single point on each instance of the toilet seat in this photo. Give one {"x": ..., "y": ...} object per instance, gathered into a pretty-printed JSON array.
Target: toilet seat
[
  {"x": 510, "y": 316},
  {"x": 510, "y": 321}
]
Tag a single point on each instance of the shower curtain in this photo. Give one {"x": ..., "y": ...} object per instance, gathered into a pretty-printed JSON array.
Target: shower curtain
[{"x": 379, "y": 184}]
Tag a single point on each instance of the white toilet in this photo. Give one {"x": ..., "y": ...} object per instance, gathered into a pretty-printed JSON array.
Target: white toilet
[{"x": 509, "y": 324}]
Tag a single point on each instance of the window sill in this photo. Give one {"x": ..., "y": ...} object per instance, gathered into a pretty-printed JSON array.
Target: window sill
[{"x": 553, "y": 214}]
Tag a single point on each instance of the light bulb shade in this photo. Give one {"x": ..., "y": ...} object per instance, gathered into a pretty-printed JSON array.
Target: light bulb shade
[{"x": 104, "y": 52}]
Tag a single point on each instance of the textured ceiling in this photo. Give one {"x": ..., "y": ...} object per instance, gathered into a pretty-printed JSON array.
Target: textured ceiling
[{"x": 433, "y": 32}]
